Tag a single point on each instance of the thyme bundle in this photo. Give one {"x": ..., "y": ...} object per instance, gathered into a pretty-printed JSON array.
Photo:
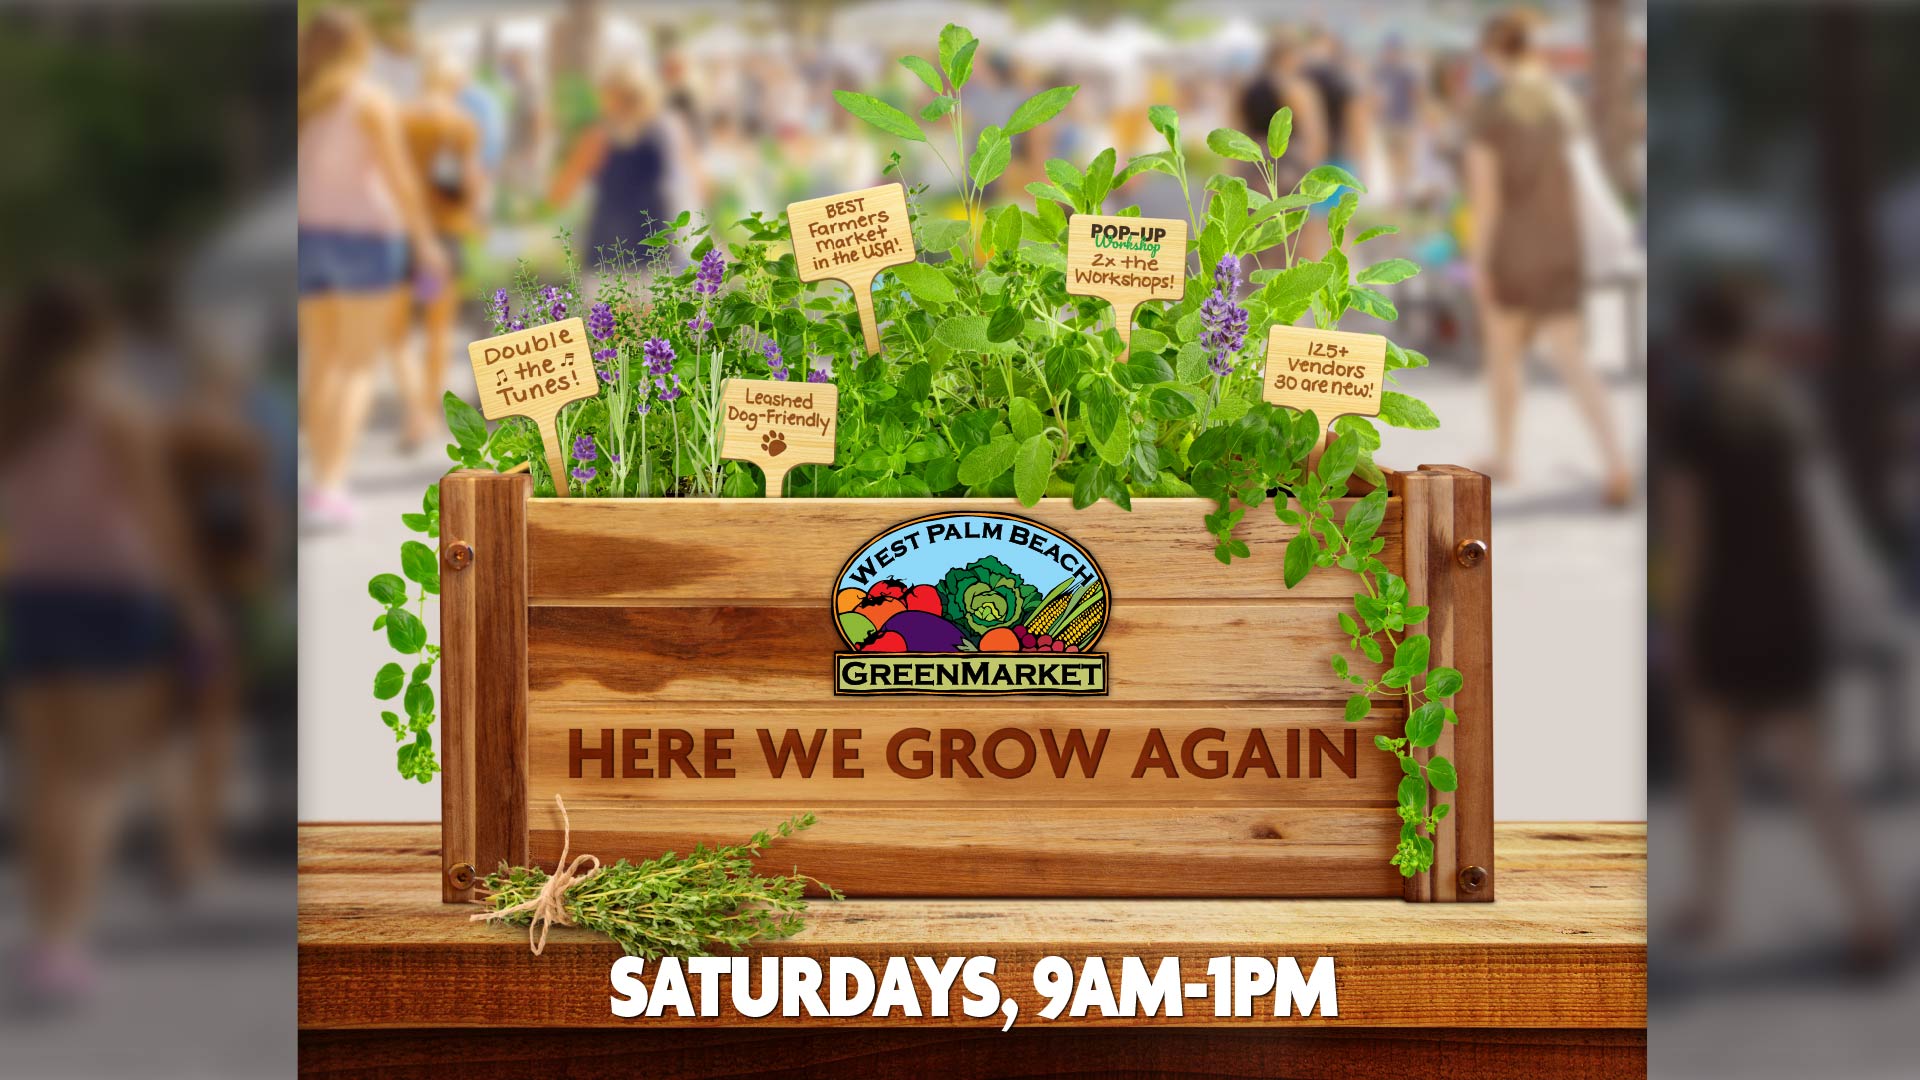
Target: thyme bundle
[{"x": 674, "y": 905}]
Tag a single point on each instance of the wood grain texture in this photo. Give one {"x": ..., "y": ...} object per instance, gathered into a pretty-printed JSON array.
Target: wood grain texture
[
  {"x": 1022, "y": 849},
  {"x": 534, "y": 373},
  {"x": 483, "y": 688},
  {"x": 1203, "y": 651},
  {"x": 1064, "y": 1054},
  {"x": 1445, "y": 506},
  {"x": 851, "y": 237},
  {"x": 1300, "y": 756},
  {"x": 1564, "y": 948},
  {"x": 1301, "y": 362},
  {"x": 777, "y": 425},
  {"x": 721, "y": 551},
  {"x": 1119, "y": 275}
]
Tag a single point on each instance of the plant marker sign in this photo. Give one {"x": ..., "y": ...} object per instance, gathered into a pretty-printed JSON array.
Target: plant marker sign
[
  {"x": 1125, "y": 260},
  {"x": 971, "y": 603},
  {"x": 777, "y": 425},
  {"x": 851, "y": 237},
  {"x": 1332, "y": 372},
  {"x": 532, "y": 373}
]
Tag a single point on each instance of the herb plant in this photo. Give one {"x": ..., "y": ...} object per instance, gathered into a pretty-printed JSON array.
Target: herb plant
[
  {"x": 676, "y": 905},
  {"x": 995, "y": 382}
]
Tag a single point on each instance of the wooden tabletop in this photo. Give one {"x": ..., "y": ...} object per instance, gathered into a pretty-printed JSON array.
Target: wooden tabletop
[{"x": 1564, "y": 946}]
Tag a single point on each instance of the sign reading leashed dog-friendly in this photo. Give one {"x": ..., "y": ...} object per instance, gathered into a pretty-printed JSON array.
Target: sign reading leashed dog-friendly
[
  {"x": 532, "y": 373},
  {"x": 777, "y": 425},
  {"x": 851, "y": 237},
  {"x": 971, "y": 604}
]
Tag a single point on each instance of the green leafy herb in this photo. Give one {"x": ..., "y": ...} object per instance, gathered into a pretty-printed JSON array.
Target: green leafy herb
[{"x": 676, "y": 905}]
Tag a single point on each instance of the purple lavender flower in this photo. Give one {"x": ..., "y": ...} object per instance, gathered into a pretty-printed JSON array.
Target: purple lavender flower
[
  {"x": 1223, "y": 322},
  {"x": 775, "y": 362},
  {"x": 606, "y": 376},
  {"x": 659, "y": 356},
  {"x": 820, "y": 370},
  {"x": 497, "y": 307},
  {"x": 707, "y": 281},
  {"x": 585, "y": 472},
  {"x": 516, "y": 323},
  {"x": 643, "y": 406},
  {"x": 553, "y": 299},
  {"x": 600, "y": 321},
  {"x": 700, "y": 324},
  {"x": 606, "y": 356},
  {"x": 583, "y": 449},
  {"x": 670, "y": 394},
  {"x": 1226, "y": 276}
]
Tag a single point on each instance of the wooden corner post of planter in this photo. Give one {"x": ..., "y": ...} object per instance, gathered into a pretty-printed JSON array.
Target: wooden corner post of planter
[
  {"x": 1449, "y": 545},
  {"x": 483, "y": 676}
]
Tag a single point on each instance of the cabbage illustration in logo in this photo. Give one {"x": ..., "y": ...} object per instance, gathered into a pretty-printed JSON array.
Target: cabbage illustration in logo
[{"x": 985, "y": 594}]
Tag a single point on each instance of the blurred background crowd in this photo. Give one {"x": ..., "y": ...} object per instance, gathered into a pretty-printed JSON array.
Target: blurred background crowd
[{"x": 1757, "y": 657}]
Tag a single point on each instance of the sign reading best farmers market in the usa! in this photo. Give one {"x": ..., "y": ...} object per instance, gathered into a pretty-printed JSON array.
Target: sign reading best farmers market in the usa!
[
  {"x": 980, "y": 603},
  {"x": 851, "y": 237}
]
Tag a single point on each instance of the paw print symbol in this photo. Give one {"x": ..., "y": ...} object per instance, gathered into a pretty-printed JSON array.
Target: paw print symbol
[{"x": 773, "y": 443}]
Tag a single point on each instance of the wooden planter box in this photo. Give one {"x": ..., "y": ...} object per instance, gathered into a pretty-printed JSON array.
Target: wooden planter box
[{"x": 660, "y": 623}]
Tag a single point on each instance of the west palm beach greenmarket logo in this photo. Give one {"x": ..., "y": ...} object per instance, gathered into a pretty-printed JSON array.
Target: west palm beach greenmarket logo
[{"x": 977, "y": 603}]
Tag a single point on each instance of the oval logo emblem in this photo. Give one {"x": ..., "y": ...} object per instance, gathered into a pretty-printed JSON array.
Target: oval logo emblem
[{"x": 960, "y": 603}]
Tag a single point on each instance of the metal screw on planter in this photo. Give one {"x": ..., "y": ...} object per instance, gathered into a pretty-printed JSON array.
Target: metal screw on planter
[
  {"x": 1472, "y": 878},
  {"x": 1470, "y": 553},
  {"x": 459, "y": 554},
  {"x": 460, "y": 875}
]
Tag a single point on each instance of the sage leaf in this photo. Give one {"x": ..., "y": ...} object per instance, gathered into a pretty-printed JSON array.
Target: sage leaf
[
  {"x": 1229, "y": 143},
  {"x": 985, "y": 464},
  {"x": 1031, "y": 469},
  {"x": 1040, "y": 108},
  {"x": 880, "y": 115}
]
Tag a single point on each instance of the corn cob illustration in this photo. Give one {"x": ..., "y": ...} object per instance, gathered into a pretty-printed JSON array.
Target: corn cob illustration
[
  {"x": 1085, "y": 623},
  {"x": 1052, "y": 610}
]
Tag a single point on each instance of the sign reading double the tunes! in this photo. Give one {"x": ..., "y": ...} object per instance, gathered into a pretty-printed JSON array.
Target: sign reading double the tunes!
[
  {"x": 532, "y": 373},
  {"x": 851, "y": 237},
  {"x": 1330, "y": 372},
  {"x": 1126, "y": 260}
]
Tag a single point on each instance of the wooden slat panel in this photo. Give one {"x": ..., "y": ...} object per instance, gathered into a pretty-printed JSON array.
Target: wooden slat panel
[
  {"x": 1444, "y": 506},
  {"x": 963, "y": 849},
  {"x": 1565, "y": 947},
  {"x": 728, "y": 550},
  {"x": 1157, "y": 1053},
  {"x": 1198, "y": 651},
  {"x": 1307, "y": 771},
  {"x": 483, "y": 689}
]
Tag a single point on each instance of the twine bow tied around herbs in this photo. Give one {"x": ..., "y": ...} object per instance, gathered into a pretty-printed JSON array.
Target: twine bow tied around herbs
[{"x": 549, "y": 905}]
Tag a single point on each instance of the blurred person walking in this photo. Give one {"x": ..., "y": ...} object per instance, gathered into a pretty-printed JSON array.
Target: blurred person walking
[
  {"x": 1748, "y": 663},
  {"x": 103, "y": 611},
  {"x": 637, "y": 155},
  {"x": 1401, "y": 90},
  {"x": 1282, "y": 81},
  {"x": 444, "y": 142},
  {"x": 360, "y": 206},
  {"x": 1526, "y": 251}
]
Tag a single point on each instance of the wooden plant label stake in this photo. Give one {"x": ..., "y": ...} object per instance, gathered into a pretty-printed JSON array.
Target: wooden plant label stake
[
  {"x": 851, "y": 237},
  {"x": 1332, "y": 372},
  {"x": 778, "y": 425},
  {"x": 532, "y": 373},
  {"x": 1124, "y": 260}
]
